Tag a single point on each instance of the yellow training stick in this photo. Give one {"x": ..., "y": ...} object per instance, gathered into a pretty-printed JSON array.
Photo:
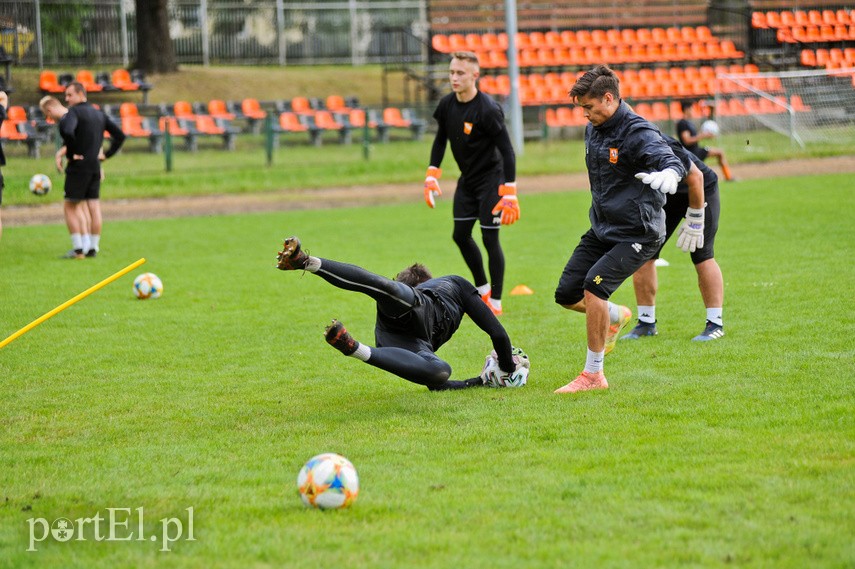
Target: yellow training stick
[{"x": 68, "y": 303}]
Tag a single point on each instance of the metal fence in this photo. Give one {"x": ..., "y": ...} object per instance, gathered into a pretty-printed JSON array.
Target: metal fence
[{"x": 54, "y": 33}]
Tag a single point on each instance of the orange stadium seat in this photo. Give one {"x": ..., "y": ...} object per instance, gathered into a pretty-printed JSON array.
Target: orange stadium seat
[
  {"x": 87, "y": 79},
  {"x": 773, "y": 19},
  {"x": 392, "y": 116},
  {"x": 456, "y": 42},
  {"x": 217, "y": 109},
  {"x": 568, "y": 38},
  {"x": 251, "y": 109},
  {"x": 758, "y": 20},
  {"x": 49, "y": 83},
  {"x": 135, "y": 126},
  {"x": 128, "y": 110},
  {"x": 335, "y": 103},
  {"x": 9, "y": 131},
  {"x": 290, "y": 122},
  {"x": 183, "y": 110},
  {"x": 121, "y": 79},
  {"x": 439, "y": 43},
  {"x": 301, "y": 106},
  {"x": 473, "y": 42}
]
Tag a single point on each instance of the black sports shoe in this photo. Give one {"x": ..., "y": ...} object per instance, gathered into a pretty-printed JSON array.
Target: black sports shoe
[
  {"x": 450, "y": 384},
  {"x": 91, "y": 253},
  {"x": 339, "y": 338},
  {"x": 711, "y": 332},
  {"x": 291, "y": 257},
  {"x": 641, "y": 329}
]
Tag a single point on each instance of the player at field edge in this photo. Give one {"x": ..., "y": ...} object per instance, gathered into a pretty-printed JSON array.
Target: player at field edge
[
  {"x": 630, "y": 169},
  {"x": 486, "y": 191},
  {"x": 416, "y": 315},
  {"x": 4, "y": 104},
  {"x": 82, "y": 127},
  {"x": 689, "y": 136},
  {"x": 697, "y": 199}
]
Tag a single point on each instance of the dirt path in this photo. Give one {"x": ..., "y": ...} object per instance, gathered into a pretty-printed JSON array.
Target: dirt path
[{"x": 361, "y": 195}]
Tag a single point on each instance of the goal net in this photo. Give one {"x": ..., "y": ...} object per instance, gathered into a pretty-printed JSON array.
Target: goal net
[{"x": 805, "y": 106}]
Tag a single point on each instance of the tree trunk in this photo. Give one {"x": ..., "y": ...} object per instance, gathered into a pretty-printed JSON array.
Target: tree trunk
[{"x": 155, "y": 50}]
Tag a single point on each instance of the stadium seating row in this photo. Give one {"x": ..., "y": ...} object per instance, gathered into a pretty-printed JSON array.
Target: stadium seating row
[
  {"x": 789, "y": 19},
  {"x": 659, "y": 111},
  {"x": 645, "y": 83},
  {"x": 816, "y": 34},
  {"x": 218, "y": 118},
  {"x": 834, "y": 58},
  {"x": 119, "y": 80},
  {"x": 615, "y": 55},
  {"x": 572, "y": 38}
]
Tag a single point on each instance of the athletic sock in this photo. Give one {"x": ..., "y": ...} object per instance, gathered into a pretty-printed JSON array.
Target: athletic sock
[
  {"x": 647, "y": 314},
  {"x": 594, "y": 361},
  {"x": 714, "y": 315},
  {"x": 484, "y": 289},
  {"x": 87, "y": 240},
  {"x": 95, "y": 242},
  {"x": 362, "y": 352},
  {"x": 77, "y": 241},
  {"x": 614, "y": 313},
  {"x": 496, "y": 303},
  {"x": 313, "y": 264}
]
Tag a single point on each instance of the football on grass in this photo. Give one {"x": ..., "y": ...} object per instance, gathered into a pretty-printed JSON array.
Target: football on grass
[
  {"x": 148, "y": 285},
  {"x": 40, "y": 184},
  {"x": 328, "y": 481},
  {"x": 493, "y": 375}
]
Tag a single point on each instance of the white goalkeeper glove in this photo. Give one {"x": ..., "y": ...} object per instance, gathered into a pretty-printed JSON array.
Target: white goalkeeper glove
[
  {"x": 691, "y": 236},
  {"x": 432, "y": 186},
  {"x": 665, "y": 181}
]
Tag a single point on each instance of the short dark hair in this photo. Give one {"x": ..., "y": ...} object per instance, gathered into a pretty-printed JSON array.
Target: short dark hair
[
  {"x": 685, "y": 105},
  {"x": 77, "y": 87},
  {"x": 414, "y": 275},
  {"x": 596, "y": 83}
]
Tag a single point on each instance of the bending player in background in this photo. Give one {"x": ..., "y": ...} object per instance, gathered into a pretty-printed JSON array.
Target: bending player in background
[
  {"x": 689, "y": 136},
  {"x": 486, "y": 191},
  {"x": 697, "y": 199},
  {"x": 416, "y": 314}
]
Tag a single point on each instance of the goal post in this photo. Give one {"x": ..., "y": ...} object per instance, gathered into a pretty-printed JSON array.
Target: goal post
[{"x": 805, "y": 106}]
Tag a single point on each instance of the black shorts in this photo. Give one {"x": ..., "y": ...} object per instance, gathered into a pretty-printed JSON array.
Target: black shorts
[
  {"x": 701, "y": 152},
  {"x": 675, "y": 213},
  {"x": 476, "y": 201},
  {"x": 82, "y": 186},
  {"x": 600, "y": 267},
  {"x": 2, "y": 185}
]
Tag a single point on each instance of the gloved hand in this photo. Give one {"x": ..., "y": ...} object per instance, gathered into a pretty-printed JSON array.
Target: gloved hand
[
  {"x": 665, "y": 181},
  {"x": 691, "y": 235},
  {"x": 508, "y": 205},
  {"x": 432, "y": 185}
]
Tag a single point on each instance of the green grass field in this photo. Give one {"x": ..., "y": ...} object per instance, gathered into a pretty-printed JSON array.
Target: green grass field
[{"x": 737, "y": 453}]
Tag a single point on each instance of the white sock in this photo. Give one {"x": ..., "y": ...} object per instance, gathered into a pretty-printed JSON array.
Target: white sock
[
  {"x": 714, "y": 316},
  {"x": 87, "y": 239},
  {"x": 313, "y": 264},
  {"x": 647, "y": 314},
  {"x": 594, "y": 361},
  {"x": 496, "y": 303},
  {"x": 95, "y": 242},
  {"x": 614, "y": 312},
  {"x": 484, "y": 289},
  {"x": 76, "y": 241},
  {"x": 362, "y": 353}
]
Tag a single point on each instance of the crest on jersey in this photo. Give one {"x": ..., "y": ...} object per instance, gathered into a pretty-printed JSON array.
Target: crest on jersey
[
  {"x": 613, "y": 155},
  {"x": 467, "y": 128}
]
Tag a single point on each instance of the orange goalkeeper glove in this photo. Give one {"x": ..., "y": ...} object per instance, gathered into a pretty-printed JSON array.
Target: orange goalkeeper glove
[
  {"x": 509, "y": 206},
  {"x": 432, "y": 185}
]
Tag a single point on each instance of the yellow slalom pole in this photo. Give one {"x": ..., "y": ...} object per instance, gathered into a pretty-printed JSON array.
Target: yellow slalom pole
[{"x": 68, "y": 303}]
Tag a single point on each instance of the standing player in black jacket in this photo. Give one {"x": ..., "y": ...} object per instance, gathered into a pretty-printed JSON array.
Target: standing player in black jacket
[
  {"x": 82, "y": 131},
  {"x": 697, "y": 199},
  {"x": 416, "y": 314},
  {"x": 486, "y": 190},
  {"x": 630, "y": 169}
]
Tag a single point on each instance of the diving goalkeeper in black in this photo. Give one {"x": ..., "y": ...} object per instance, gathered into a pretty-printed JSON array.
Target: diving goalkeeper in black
[{"x": 416, "y": 315}]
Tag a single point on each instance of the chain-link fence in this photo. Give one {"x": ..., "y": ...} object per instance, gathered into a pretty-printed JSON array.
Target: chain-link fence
[{"x": 47, "y": 33}]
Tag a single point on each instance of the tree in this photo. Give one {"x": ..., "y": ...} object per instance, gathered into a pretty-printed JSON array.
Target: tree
[{"x": 155, "y": 50}]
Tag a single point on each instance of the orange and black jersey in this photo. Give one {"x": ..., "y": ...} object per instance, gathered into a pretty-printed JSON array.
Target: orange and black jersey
[{"x": 478, "y": 136}]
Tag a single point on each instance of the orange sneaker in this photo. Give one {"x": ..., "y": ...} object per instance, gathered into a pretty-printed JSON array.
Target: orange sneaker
[
  {"x": 585, "y": 382},
  {"x": 616, "y": 328},
  {"x": 486, "y": 299}
]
